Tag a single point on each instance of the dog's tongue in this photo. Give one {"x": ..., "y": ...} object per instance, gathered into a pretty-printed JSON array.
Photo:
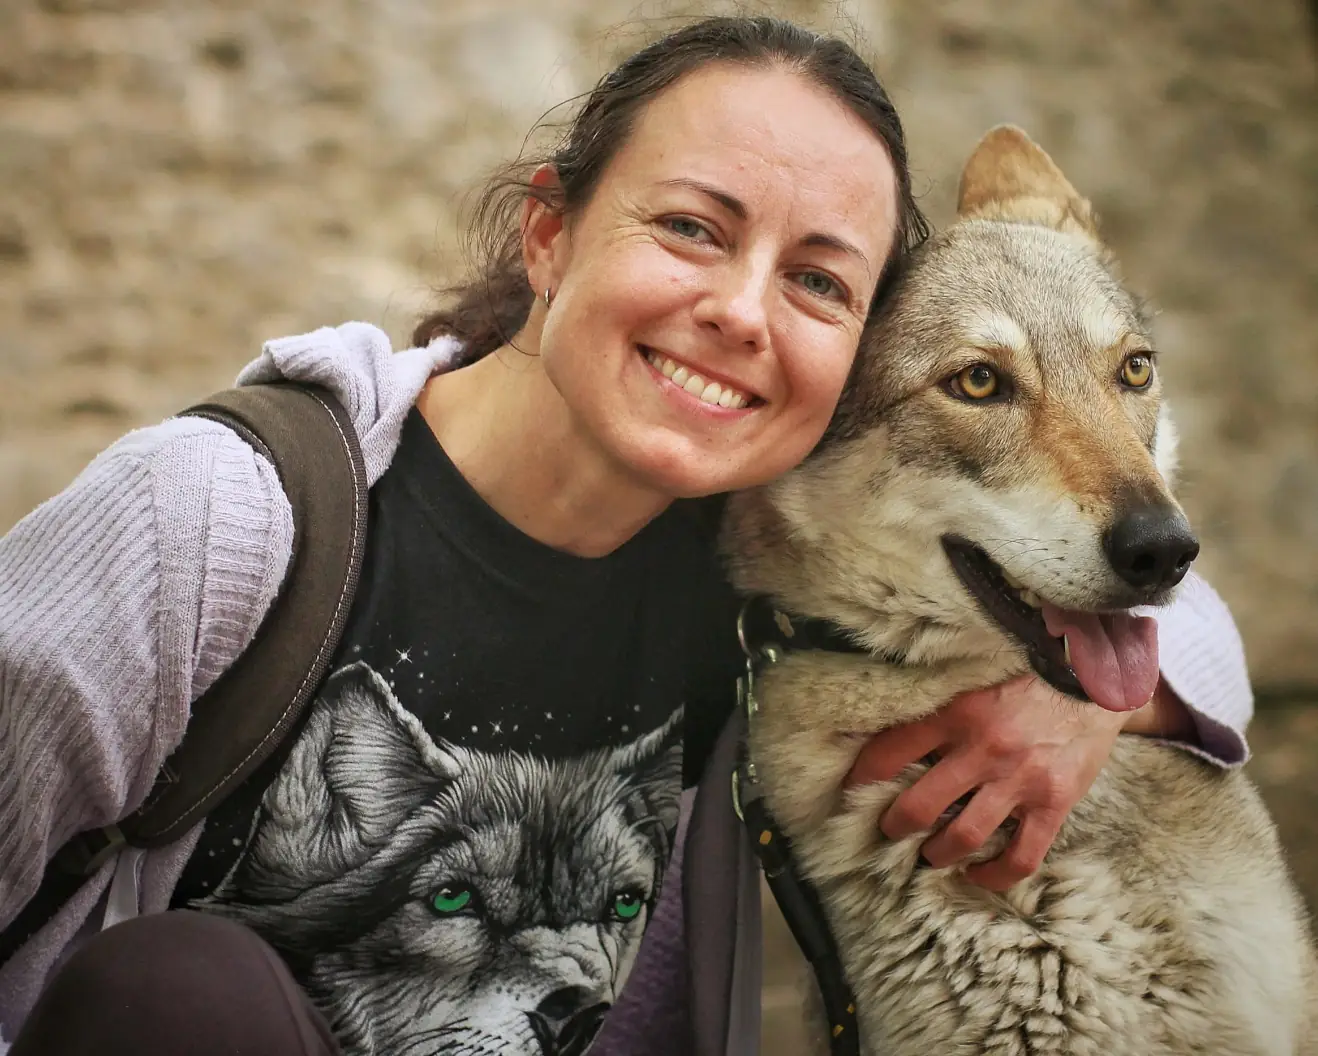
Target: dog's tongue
[{"x": 1114, "y": 656}]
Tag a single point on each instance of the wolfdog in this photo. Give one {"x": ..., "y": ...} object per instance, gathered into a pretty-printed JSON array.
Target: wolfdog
[
  {"x": 994, "y": 497},
  {"x": 434, "y": 899}
]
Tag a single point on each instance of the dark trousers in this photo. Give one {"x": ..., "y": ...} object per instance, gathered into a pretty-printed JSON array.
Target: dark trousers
[{"x": 173, "y": 984}]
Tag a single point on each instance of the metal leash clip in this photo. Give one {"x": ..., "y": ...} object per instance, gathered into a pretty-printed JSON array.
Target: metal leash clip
[
  {"x": 746, "y": 700},
  {"x": 796, "y": 897}
]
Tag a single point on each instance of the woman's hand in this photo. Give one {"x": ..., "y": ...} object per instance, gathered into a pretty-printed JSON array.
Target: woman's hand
[{"x": 1030, "y": 753}]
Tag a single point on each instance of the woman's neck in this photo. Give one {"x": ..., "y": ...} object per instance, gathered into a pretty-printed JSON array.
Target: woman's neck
[{"x": 507, "y": 429}]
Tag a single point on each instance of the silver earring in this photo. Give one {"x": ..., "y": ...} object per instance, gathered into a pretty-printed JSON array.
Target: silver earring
[{"x": 548, "y": 297}]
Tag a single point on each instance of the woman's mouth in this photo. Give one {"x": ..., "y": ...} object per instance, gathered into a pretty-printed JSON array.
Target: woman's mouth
[{"x": 714, "y": 393}]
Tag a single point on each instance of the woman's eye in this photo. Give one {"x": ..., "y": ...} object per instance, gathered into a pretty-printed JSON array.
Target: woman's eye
[
  {"x": 819, "y": 284},
  {"x": 685, "y": 227}
]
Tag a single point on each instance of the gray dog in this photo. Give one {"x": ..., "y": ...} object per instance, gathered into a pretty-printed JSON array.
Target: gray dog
[{"x": 995, "y": 498}]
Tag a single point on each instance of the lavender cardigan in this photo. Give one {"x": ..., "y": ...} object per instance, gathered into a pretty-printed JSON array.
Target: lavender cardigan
[{"x": 126, "y": 595}]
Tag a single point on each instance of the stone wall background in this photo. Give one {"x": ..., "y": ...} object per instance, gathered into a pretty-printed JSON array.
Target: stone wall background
[{"x": 180, "y": 180}]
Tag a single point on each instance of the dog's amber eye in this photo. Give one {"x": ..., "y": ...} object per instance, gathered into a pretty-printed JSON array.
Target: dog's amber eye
[
  {"x": 1137, "y": 371},
  {"x": 977, "y": 382}
]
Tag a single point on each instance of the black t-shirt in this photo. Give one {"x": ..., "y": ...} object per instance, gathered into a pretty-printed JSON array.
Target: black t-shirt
[{"x": 462, "y": 847}]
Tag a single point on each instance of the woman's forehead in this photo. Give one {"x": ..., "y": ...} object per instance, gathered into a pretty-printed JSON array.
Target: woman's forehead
[{"x": 765, "y": 133}]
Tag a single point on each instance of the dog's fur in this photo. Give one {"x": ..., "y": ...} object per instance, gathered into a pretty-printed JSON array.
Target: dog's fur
[
  {"x": 1163, "y": 922},
  {"x": 369, "y": 818}
]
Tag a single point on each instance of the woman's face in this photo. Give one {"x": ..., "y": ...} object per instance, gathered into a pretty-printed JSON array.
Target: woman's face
[{"x": 708, "y": 300}]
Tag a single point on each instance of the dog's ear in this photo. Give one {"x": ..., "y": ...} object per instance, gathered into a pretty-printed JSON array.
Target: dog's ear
[{"x": 1010, "y": 177}]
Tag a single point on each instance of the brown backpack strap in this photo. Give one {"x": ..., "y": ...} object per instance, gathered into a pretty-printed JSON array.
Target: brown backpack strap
[
  {"x": 245, "y": 715},
  {"x": 248, "y": 712},
  {"x": 243, "y": 718}
]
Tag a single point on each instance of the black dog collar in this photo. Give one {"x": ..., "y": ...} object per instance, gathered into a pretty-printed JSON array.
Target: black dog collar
[{"x": 763, "y": 624}]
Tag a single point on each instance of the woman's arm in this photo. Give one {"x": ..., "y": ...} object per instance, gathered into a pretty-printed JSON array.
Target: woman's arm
[
  {"x": 121, "y": 599},
  {"x": 1029, "y": 753}
]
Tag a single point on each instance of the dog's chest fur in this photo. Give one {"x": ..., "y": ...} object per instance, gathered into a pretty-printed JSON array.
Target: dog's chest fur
[{"x": 1119, "y": 937}]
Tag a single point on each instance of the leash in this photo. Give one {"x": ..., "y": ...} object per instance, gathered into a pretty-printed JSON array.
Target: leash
[{"x": 767, "y": 635}]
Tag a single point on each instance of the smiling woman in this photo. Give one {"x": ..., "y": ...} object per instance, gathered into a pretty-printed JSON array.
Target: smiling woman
[
  {"x": 715, "y": 240},
  {"x": 703, "y": 298}
]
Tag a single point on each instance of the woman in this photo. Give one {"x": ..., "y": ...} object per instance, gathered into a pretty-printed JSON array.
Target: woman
[{"x": 471, "y": 833}]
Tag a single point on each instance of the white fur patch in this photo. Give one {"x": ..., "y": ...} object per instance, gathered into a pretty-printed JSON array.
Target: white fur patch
[
  {"x": 990, "y": 329},
  {"x": 1166, "y": 442},
  {"x": 1101, "y": 324}
]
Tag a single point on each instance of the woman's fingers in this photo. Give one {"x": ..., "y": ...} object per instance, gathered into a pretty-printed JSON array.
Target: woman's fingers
[
  {"x": 970, "y": 830},
  {"x": 1025, "y": 853},
  {"x": 919, "y": 807},
  {"x": 890, "y": 751}
]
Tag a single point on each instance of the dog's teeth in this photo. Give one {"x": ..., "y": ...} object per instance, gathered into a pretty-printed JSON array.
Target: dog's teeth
[
  {"x": 1031, "y": 599},
  {"x": 1066, "y": 649}
]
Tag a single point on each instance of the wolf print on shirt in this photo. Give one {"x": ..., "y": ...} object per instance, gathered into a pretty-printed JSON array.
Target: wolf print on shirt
[{"x": 433, "y": 899}]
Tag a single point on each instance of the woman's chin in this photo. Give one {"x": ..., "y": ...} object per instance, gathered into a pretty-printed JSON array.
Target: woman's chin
[{"x": 681, "y": 472}]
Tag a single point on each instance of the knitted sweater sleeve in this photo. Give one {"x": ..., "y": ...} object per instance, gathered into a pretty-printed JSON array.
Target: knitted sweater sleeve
[
  {"x": 1203, "y": 662},
  {"x": 121, "y": 599}
]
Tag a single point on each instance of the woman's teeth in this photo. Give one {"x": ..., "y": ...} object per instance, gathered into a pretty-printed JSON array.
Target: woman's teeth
[{"x": 706, "y": 391}]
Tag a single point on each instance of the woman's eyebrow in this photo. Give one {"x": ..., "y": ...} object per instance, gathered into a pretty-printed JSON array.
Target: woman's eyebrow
[
  {"x": 737, "y": 208},
  {"x": 731, "y": 203},
  {"x": 818, "y": 238}
]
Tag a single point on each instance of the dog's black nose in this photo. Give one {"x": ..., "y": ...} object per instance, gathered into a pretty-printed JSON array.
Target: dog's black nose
[
  {"x": 1151, "y": 547},
  {"x": 566, "y": 1022}
]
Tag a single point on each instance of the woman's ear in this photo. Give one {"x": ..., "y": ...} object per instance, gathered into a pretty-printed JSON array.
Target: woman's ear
[{"x": 544, "y": 236}]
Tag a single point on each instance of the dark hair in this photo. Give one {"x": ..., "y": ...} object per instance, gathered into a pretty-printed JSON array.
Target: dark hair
[{"x": 493, "y": 305}]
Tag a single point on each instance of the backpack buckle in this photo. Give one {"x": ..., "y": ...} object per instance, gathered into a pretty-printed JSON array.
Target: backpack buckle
[{"x": 88, "y": 851}]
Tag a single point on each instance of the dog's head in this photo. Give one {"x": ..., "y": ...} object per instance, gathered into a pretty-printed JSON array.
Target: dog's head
[
  {"x": 452, "y": 900},
  {"x": 1001, "y": 461}
]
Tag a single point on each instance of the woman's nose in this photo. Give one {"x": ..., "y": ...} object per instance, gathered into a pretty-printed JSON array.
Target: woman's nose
[{"x": 737, "y": 306}]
